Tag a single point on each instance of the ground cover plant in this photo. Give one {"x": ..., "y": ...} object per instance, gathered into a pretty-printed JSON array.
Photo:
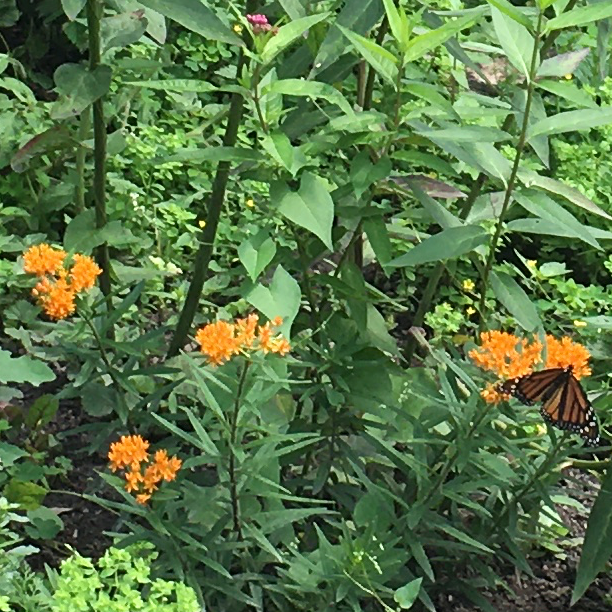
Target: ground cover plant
[{"x": 306, "y": 303}]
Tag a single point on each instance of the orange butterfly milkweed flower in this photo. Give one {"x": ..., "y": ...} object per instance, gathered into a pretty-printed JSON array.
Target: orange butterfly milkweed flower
[
  {"x": 221, "y": 340},
  {"x": 510, "y": 357},
  {"x": 58, "y": 286},
  {"x": 131, "y": 453}
]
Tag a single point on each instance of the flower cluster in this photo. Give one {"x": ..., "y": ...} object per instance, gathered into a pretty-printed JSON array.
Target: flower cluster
[
  {"x": 260, "y": 25},
  {"x": 222, "y": 340},
  {"x": 58, "y": 286},
  {"x": 509, "y": 357},
  {"x": 131, "y": 454}
]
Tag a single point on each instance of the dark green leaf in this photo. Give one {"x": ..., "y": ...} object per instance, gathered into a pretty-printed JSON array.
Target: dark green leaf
[
  {"x": 195, "y": 16},
  {"x": 79, "y": 88}
]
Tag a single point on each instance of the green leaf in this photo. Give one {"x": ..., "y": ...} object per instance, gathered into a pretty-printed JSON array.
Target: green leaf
[
  {"x": 41, "y": 411},
  {"x": 378, "y": 237},
  {"x": 279, "y": 147},
  {"x": 424, "y": 43},
  {"x": 364, "y": 173},
  {"x": 82, "y": 234},
  {"x": 28, "y": 495},
  {"x": 196, "y": 17},
  {"x": 289, "y": 33},
  {"x": 467, "y": 133},
  {"x": 398, "y": 23},
  {"x": 9, "y": 13},
  {"x": 383, "y": 61},
  {"x": 311, "y": 207},
  {"x": 310, "y": 89},
  {"x": 53, "y": 139},
  {"x": 98, "y": 399},
  {"x": 122, "y": 30},
  {"x": 569, "y": 193},
  {"x": 281, "y": 299},
  {"x": 539, "y": 204},
  {"x": 23, "y": 369},
  {"x": 44, "y": 523},
  {"x": 516, "y": 41},
  {"x": 509, "y": 9},
  {"x": 464, "y": 537},
  {"x": 9, "y": 454},
  {"x": 561, "y": 65},
  {"x": 449, "y": 243},
  {"x": 571, "y": 121},
  {"x": 179, "y": 85},
  {"x": 79, "y": 88},
  {"x": 407, "y": 595},
  {"x": 569, "y": 91},
  {"x": 597, "y": 546},
  {"x": 256, "y": 252},
  {"x": 443, "y": 217},
  {"x": 73, "y": 7},
  {"x": 216, "y": 154},
  {"x": 515, "y": 300},
  {"x": 580, "y": 16},
  {"x": 294, "y": 8}
]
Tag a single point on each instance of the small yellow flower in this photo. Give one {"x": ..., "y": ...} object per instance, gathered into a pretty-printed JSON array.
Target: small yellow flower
[
  {"x": 569, "y": 76},
  {"x": 468, "y": 285},
  {"x": 237, "y": 28},
  {"x": 531, "y": 263},
  {"x": 470, "y": 311},
  {"x": 580, "y": 323},
  {"x": 202, "y": 223},
  {"x": 250, "y": 203}
]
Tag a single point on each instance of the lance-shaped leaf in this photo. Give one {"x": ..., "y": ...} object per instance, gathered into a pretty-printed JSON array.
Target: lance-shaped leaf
[
  {"x": 449, "y": 243},
  {"x": 560, "y": 65},
  {"x": 516, "y": 41},
  {"x": 287, "y": 34},
  {"x": 572, "y": 121},
  {"x": 581, "y": 16},
  {"x": 515, "y": 300}
]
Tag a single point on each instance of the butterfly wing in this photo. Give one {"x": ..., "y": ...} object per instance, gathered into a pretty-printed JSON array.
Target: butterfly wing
[
  {"x": 568, "y": 407},
  {"x": 537, "y": 386}
]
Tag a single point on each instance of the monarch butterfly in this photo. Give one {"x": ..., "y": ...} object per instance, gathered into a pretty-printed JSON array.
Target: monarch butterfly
[{"x": 564, "y": 402}]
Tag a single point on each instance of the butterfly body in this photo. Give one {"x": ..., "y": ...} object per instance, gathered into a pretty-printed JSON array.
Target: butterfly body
[{"x": 565, "y": 405}]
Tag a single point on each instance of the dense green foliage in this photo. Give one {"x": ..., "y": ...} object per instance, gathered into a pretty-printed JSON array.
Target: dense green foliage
[{"x": 388, "y": 177}]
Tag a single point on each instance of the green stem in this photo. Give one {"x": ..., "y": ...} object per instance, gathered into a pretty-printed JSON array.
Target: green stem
[
  {"x": 215, "y": 207},
  {"x": 257, "y": 101},
  {"x": 541, "y": 470},
  {"x": 81, "y": 155},
  {"x": 512, "y": 179},
  {"x": 233, "y": 480},
  {"x": 94, "y": 16}
]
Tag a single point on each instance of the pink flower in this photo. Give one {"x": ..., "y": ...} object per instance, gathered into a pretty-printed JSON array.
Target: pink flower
[{"x": 260, "y": 24}]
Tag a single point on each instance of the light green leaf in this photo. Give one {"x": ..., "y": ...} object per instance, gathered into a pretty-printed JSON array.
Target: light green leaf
[
  {"x": 407, "y": 595},
  {"x": 580, "y": 16},
  {"x": 23, "y": 369},
  {"x": 213, "y": 154},
  {"x": 424, "y": 43},
  {"x": 398, "y": 23},
  {"x": 569, "y": 91},
  {"x": 287, "y": 34},
  {"x": 311, "y": 207},
  {"x": 572, "y": 121},
  {"x": 540, "y": 205},
  {"x": 515, "y": 300},
  {"x": 516, "y": 41},
  {"x": 281, "y": 299},
  {"x": 311, "y": 89},
  {"x": 179, "y": 85},
  {"x": 378, "y": 237},
  {"x": 73, "y": 7},
  {"x": 449, "y": 243},
  {"x": 513, "y": 12},
  {"x": 383, "y": 61},
  {"x": 468, "y": 133},
  {"x": 530, "y": 178},
  {"x": 294, "y": 8},
  {"x": 196, "y": 17},
  {"x": 279, "y": 147},
  {"x": 256, "y": 252},
  {"x": 597, "y": 546}
]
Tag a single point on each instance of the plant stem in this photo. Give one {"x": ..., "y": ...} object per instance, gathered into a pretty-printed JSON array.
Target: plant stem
[
  {"x": 81, "y": 154},
  {"x": 94, "y": 16},
  {"x": 232, "y": 453},
  {"x": 215, "y": 207},
  {"x": 512, "y": 179}
]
